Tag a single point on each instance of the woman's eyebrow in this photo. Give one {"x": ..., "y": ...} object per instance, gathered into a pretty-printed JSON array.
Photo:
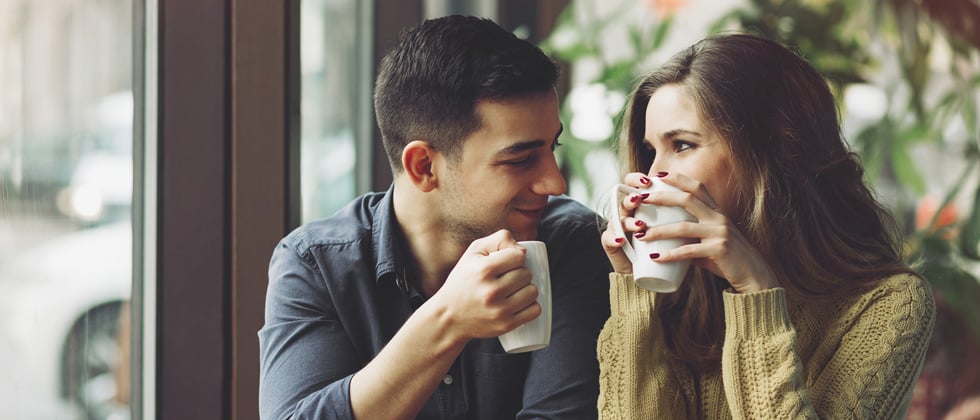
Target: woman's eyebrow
[{"x": 677, "y": 132}]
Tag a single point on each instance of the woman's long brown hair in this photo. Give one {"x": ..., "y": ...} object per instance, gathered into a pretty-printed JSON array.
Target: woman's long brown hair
[{"x": 801, "y": 197}]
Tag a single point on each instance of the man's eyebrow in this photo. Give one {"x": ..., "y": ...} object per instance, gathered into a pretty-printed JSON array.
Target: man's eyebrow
[
  {"x": 520, "y": 147},
  {"x": 526, "y": 145}
]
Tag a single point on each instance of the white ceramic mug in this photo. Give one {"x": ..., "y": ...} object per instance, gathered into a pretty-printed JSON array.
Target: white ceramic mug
[
  {"x": 535, "y": 334},
  {"x": 647, "y": 273}
]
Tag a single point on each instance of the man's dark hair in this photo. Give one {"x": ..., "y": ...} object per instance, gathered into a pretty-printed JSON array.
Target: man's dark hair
[{"x": 429, "y": 84}]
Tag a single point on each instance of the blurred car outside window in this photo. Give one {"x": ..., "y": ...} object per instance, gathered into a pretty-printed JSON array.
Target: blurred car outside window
[{"x": 66, "y": 171}]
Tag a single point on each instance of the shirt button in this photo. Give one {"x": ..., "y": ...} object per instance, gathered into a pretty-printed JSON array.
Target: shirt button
[{"x": 448, "y": 379}]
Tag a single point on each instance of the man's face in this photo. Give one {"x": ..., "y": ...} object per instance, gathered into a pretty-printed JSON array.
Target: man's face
[{"x": 506, "y": 169}]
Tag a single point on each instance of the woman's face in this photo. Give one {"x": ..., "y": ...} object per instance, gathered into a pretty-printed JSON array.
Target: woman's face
[{"x": 682, "y": 143}]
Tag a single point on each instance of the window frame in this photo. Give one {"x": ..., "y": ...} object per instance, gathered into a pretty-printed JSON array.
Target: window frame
[{"x": 217, "y": 159}]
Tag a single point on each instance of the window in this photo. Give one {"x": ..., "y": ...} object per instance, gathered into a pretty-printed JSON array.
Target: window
[
  {"x": 66, "y": 171},
  {"x": 330, "y": 104}
]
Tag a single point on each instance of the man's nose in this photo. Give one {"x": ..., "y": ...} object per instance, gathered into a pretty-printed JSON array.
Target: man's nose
[{"x": 551, "y": 182}]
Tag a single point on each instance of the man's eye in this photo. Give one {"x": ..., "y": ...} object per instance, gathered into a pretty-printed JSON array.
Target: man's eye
[
  {"x": 519, "y": 162},
  {"x": 555, "y": 145}
]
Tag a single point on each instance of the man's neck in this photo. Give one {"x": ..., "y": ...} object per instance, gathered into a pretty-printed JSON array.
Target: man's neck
[{"x": 432, "y": 250}]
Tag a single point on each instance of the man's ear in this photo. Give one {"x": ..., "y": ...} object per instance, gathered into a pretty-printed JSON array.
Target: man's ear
[{"x": 417, "y": 159}]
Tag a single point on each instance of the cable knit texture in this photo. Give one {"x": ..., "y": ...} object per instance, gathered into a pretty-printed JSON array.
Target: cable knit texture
[{"x": 854, "y": 357}]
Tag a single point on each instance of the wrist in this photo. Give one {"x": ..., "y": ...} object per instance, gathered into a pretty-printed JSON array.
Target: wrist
[{"x": 441, "y": 324}]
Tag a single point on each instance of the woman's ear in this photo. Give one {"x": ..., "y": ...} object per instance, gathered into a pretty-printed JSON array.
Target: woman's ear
[{"x": 417, "y": 159}]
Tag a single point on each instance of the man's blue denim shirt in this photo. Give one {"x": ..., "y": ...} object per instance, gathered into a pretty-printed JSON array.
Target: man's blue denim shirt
[{"x": 338, "y": 292}]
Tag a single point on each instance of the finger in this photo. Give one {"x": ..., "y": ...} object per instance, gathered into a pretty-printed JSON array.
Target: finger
[
  {"x": 523, "y": 296},
  {"x": 510, "y": 282},
  {"x": 632, "y": 224},
  {"x": 686, "y": 230},
  {"x": 693, "y": 251},
  {"x": 690, "y": 185},
  {"x": 696, "y": 253},
  {"x": 630, "y": 203},
  {"x": 505, "y": 260},
  {"x": 637, "y": 180},
  {"x": 612, "y": 242},
  {"x": 688, "y": 201},
  {"x": 526, "y": 314},
  {"x": 613, "y": 245},
  {"x": 496, "y": 241}
]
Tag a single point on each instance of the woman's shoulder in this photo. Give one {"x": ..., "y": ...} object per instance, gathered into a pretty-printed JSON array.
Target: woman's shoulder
[
  {"x": 902, "y": 295},
  {"x": 903, "y": 284}
]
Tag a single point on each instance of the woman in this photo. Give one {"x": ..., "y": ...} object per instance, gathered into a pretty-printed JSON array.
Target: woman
[{"x": 798, "y": 303}]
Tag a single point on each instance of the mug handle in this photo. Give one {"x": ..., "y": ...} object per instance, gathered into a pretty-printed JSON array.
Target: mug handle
[{"x": 619, "y": 192}]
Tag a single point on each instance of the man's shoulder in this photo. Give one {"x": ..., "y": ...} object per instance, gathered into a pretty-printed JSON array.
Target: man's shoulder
[
  {"x": 350, "y": 224},
  {"x": 568, "y": 220},
  {"x": 567, "y": 213}
]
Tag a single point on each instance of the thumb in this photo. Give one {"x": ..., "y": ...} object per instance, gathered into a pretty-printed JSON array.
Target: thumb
[
  {"x": 499, "y": 240},
  {"x": 613, "y": 245}
]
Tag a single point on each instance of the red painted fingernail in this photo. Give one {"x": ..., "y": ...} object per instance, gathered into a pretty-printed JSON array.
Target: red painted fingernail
[
  {"x": 640, "y": 234},
  {"x": 645, "y": 181},
  {"x": 619, "y": 240},
  {"x": 654, "y": 255},
  {"x": 644, "y": 195},
  {"x": 661, "y": 174},
  {"x": 639, "y": 223},
  {"x": 633, "y": 198}
]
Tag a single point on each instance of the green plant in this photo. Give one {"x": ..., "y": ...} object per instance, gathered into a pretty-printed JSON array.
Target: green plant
[
  {"x": 852, "y": 42},
  {"x": 575, "y": 39}
]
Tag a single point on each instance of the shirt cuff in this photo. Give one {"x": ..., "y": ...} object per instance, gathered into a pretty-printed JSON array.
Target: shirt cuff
[
  {"x": 757, "y": 314},
  {"x": 626, "y": 298}
]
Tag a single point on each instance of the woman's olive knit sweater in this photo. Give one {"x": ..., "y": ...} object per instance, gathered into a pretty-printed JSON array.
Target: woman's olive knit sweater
[{"x": 853, "y": 357}]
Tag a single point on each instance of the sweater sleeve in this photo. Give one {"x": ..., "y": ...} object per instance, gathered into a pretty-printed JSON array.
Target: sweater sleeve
[
  {"x": 634, "y": 382},
  {"x": 869, "y": 375}
]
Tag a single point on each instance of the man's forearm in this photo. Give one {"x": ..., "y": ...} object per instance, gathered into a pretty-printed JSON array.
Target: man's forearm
[{"x": 402, "y": 377}]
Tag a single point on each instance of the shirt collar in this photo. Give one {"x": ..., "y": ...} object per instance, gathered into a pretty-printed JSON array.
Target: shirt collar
[{"x": 387, "y": 239}]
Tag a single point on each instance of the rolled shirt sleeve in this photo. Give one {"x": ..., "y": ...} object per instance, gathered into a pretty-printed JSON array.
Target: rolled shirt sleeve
[{"x": 306, "y": 358}]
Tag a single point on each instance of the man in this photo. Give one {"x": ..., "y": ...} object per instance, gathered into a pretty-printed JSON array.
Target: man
[{"x": 391, "y": 307}]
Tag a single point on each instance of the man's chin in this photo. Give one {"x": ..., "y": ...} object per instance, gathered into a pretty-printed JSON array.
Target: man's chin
[{"x": 526, "y": 234}]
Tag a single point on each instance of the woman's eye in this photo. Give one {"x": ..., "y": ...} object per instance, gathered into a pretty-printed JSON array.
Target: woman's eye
[{"x": 680, "y": 145}]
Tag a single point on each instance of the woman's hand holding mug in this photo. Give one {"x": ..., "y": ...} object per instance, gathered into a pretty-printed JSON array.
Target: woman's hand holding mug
[{"x": 659, "y": 226}]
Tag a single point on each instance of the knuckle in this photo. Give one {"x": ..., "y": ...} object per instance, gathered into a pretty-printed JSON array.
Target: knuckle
[
  {"x": 684, "y": 229},
  {"x": 699, "y": 186},
  {"x": 485, "y": 271},
  {"x": 687, "y": 199},
  {"x": 532, "y": 290}
]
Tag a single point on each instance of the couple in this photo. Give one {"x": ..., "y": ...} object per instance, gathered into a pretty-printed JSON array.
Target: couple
[{"x": 797, "y": 304}]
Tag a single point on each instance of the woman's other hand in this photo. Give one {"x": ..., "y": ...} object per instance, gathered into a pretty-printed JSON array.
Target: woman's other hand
[
  {"x": 612, "y": 242},
  {"x": 721, "y": 247}
]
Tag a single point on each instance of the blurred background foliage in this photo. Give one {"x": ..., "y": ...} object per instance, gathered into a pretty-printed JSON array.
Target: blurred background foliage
[{"x": 906, "y": 74}]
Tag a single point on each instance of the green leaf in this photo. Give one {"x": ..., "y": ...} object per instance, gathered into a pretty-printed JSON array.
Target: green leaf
[
  {"x": 958, "y": 288},
  {"x": 869, "y": 142},
  {"x": 914, "y": 134},
  {"x": 661, "y": 34},
  {"x": 970, "y": 235},
  {"x": 905, "y": 170},
  {"x": 618, "y": 76},
  {"x": 722, "y": 23},
  {"x": 636, "y": 38}
]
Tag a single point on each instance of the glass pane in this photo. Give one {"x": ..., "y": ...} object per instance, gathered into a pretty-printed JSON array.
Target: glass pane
[
  {"x": 328, "y": 58},
  {"x": 66, "y": 170}
]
